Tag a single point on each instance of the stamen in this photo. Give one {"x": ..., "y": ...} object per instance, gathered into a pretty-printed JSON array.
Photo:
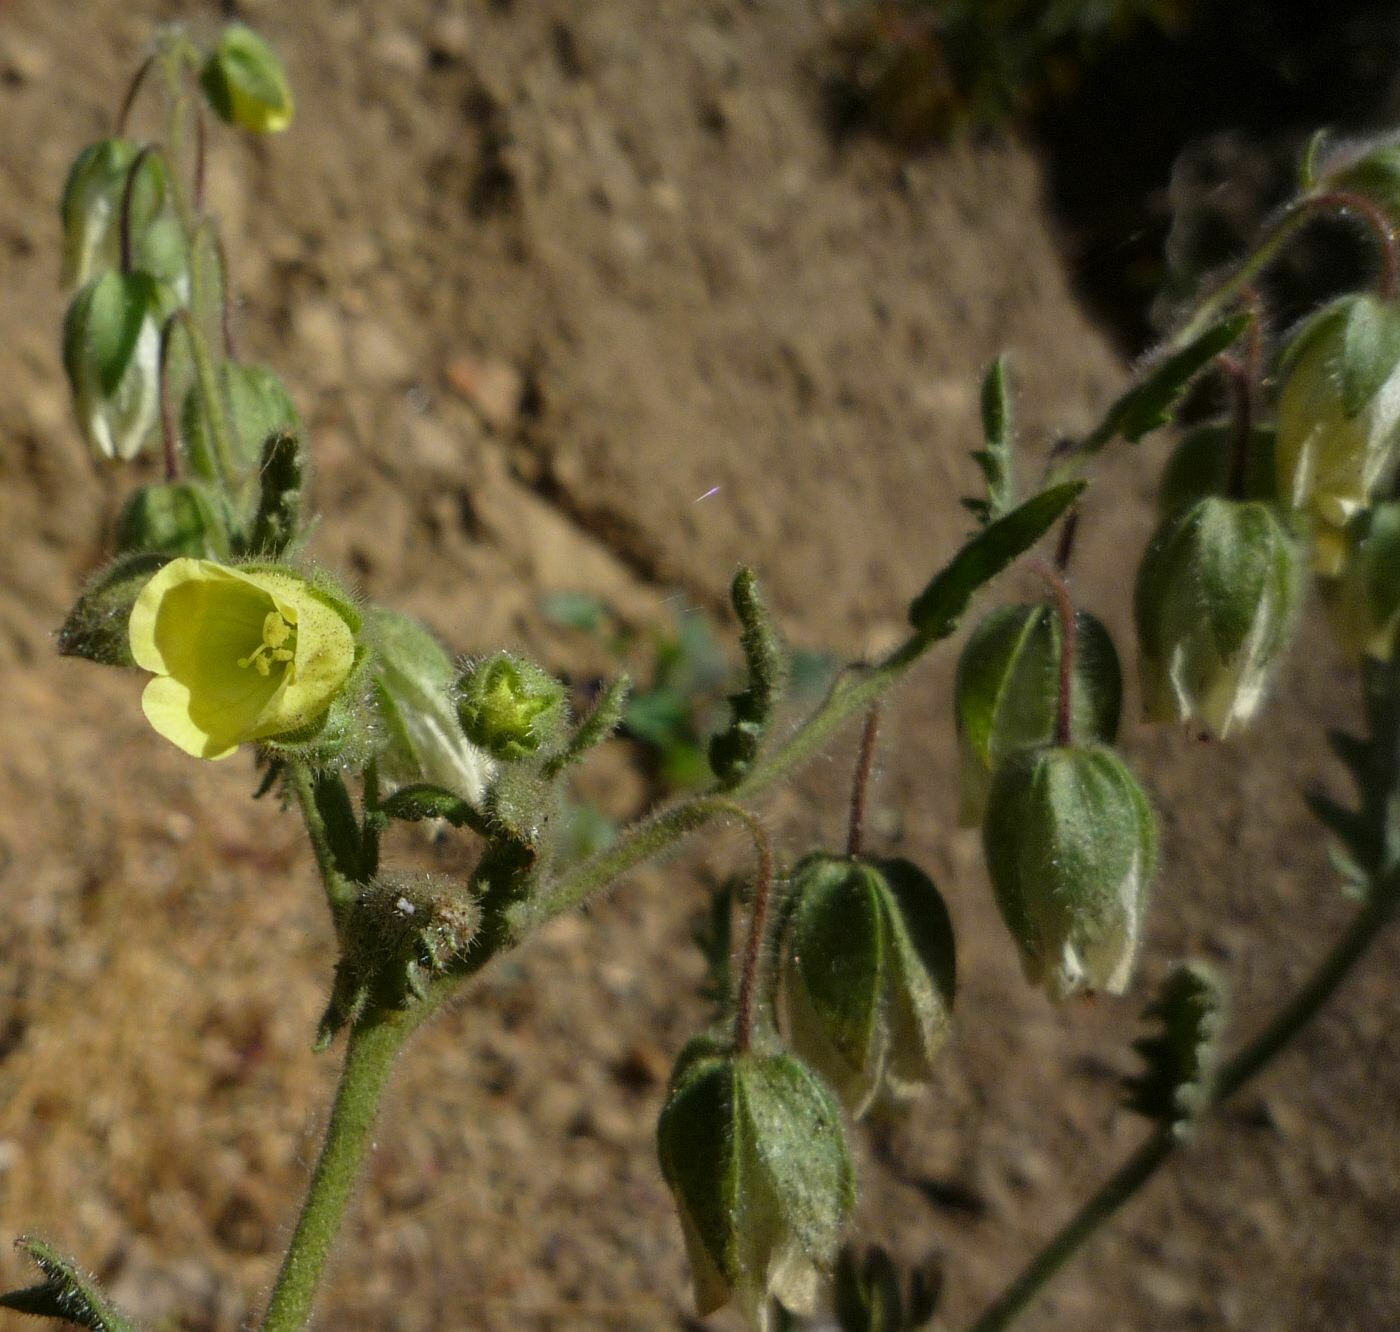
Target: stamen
[{"x": 279, "y": 644}]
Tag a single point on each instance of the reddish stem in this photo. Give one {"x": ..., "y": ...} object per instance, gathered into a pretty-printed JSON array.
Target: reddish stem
[
  {"x": 128, "y": 195},
  {"x": 132, "y": 89},
  {"x": 758, "y": 928},
  {"x": 1374, "y": 216},
  {"x": 865, "y": 762}
]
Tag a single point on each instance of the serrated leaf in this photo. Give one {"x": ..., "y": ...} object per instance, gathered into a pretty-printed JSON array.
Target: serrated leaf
[
  {"x": 67, "y": 1294},
  {"x": 1151, "y": 404},
  {"x": 995, "y": 458},
  {"x": 937, "y": 610},
  {"x": 1175, "y": 1087},
  {"x": 1370, "y": 350}
]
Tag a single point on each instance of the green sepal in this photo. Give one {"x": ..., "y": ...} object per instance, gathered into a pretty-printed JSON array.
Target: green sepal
[
  {"x": 1175, "y": 1088},
  {"x": 1071, "y": 847},
  {"x": 867, "y": 959},
  {"x": 734, "y": 750},
  {"x": 521, "y": 805},
  {"x": 277, "y": 522},
  {"x": 1152, "y": 403},
  {"x": 97, "y": 626},
  {"x": 102, "y": 326},
  {"x": 511, "y": 707},
  {"x": 172, "y": 518},
  {"x": 423, "y": 801},
  {"x": 996, "y": 457},
  {"x": 1006, "y": 692},
  {"x": 1370, "y": 349},
  {"x": 752, "y": 1148},
  {"x": 245, "y": 84},
  {"x": 67, "y": 1294},
  {"x": 1202, "y": 463},
  {"x": 91, "y": 207},
  {"x": 937, "y": 610}
]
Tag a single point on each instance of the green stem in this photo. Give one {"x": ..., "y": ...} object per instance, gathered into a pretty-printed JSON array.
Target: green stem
[
  {"x": 852, "y": 694},
  {"x": 1149, "y": 1157},
  {"x": 369, "y": 1058}
]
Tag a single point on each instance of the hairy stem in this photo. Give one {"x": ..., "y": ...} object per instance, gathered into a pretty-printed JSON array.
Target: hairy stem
[
  {"x": 369, "y": 1059},
  {"x": 758, "y": 927},
  {"x": 860, "y": 782},
  {"x": 1150, "y": 1156}
]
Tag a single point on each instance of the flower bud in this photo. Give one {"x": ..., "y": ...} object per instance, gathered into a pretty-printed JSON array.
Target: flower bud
[
  {"x": 175, "y": 518},
  {"x": 239, "y": 654},
  {"x": 1339, "y": 414},
  {"x": 752, "y": 1148},
  {"x": 245, "y": 83},
  {"x": 1363, "y": 601},
  {"x": 1071, "y": 845},
  {"x": 413, "y": 678},
  {"x": 868, "y": 974},
  {"x": 111, "y": 351},
  {"x": 1006, "y": 692},
  {"x": 92, "y": 205},
  {"x": 1215, "y": 601},
  {"x": 510, "y": 707},
  {"x": 1202, "y": 464}
]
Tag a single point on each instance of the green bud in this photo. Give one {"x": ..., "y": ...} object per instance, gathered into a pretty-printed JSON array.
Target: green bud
[
  {"x": 1071, "y": 846},
  {"x": 97, "y": 627},
  {"x": 245, "y": 83},
  {"x": 111, "y": 351},
  {"x": 1006, "y": 692},
  {"x": 176, "y": 518},
  {"x": 1363, "y": 601},
  {"x": 259, "y": 407},
  {"x": 413, "y": 679},
  {"x": 1215, "y": 601},
  {"x": 1339, "y": 416},
  {"x": 92, "y": 204},
  {"x": 868, "y": 974},
  {"x": 1202, "y": 463},
  {"x": 510, "y": 707},
  {"x": 752, "y": 1148}
]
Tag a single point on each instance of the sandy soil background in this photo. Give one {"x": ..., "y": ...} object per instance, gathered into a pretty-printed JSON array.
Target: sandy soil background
[{"x": 624, "y": 229}]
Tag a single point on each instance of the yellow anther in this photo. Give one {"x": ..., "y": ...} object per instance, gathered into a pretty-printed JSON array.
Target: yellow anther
[{"x": 276, "y": 632}]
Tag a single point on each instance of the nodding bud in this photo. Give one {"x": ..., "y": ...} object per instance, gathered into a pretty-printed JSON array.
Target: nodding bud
[
  {"x": 1215, "y": 605},
  {"x": 511, "y": 708},
  {"x": 111, "y": 352},
  {"x": 1203, "y": 465},
  {"x": 1363, "y": 600},
  {"x": 868, "y": 975},
  {"x": 1071, "y": 846},
  {"x": 752, "y": 1148},
  {"x": 413, "y": 678},
  {"x": 245, "y": 83},
  {"x": 1006, "y": 693},
  {"x": 1339, "y": 416},
  {"x": 92, "y": 206}
]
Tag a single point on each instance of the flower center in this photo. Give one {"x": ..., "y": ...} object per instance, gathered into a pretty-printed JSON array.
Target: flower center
[{"x": 279, "y": 644}]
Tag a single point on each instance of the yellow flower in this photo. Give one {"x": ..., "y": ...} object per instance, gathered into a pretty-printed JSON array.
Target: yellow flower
[{"x": 237, "y": 655}]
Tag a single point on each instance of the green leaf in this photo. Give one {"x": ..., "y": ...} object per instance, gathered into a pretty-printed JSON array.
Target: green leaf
[
  {"x": 1370, "y": 350},
  {"x": 97, "y": 626},
  {"x": 67, "y": 1294},
  {"x": 422, "y": 800},
  {"x": 996, "y": 458},
  {"x": 1175, "y": 1087},
  {"x": 937, "y": 610},
  {"x": 1308, "y": 159},
  {"x": 575, "y": 610},
  {"x": 1152, "y": 403}
]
